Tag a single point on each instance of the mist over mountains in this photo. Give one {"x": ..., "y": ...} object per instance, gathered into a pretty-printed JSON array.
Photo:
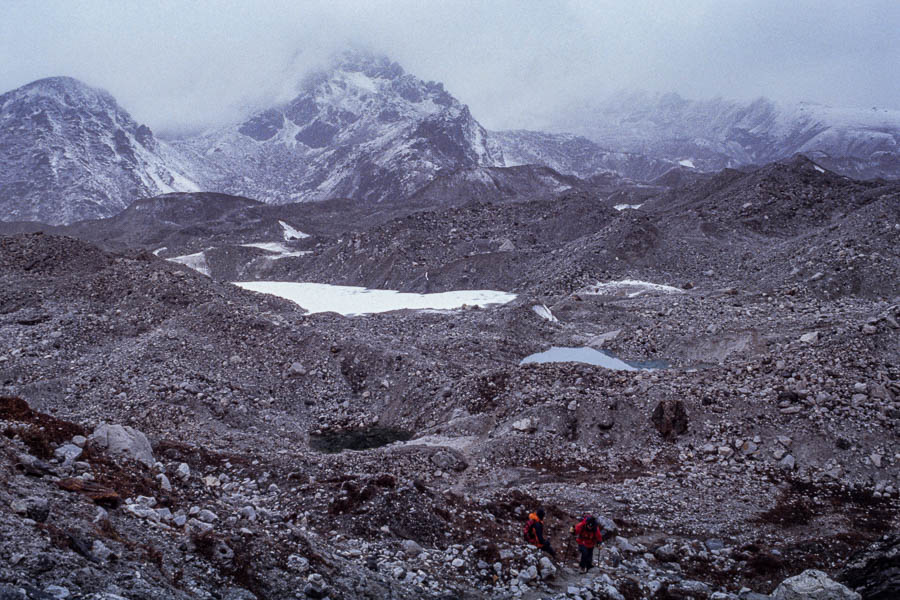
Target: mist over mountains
[{"x": 366, "y": 129}]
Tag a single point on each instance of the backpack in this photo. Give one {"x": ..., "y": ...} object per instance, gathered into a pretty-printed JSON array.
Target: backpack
[{"x": 528, "y": 531}]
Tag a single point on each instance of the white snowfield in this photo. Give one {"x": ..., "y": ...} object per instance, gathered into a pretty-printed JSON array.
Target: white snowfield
[
  {"x": 195, "y": 261},
  {"x": 278, "y": 249},
  {"x": 628, "y": 287},
  {"x": 687, "y": 162},
  {"x": 351, "y": 301},
  {"x": 542, "y": 311},
  {"x": 631, "y": 206},
  {"x": 292, "y": 234}
]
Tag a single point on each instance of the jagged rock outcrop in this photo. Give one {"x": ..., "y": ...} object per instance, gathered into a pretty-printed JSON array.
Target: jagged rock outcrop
[
  {"x": 875, "y": 572},
  {"x": 813, "y": 585},
  {"x": 670, "y": 419}
]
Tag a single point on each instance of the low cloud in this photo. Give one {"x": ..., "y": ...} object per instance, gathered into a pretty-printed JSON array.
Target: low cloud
[{"x": 184, "y": 66}]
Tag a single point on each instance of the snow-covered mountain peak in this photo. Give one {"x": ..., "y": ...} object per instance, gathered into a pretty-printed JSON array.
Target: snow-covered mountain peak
[
  {"x": 65, "y": 91},
  {"x": 361, "y": 128}
]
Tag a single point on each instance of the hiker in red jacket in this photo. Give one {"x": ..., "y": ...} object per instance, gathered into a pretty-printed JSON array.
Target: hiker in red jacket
[{"x": 588, "y": 535}]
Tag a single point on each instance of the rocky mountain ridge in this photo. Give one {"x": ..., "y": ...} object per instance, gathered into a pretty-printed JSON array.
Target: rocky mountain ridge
[{"x": 70, "y": 152}]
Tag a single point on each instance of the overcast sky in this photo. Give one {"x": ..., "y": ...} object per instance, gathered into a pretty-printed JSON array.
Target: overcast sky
[{"x": 193, "y": 64}]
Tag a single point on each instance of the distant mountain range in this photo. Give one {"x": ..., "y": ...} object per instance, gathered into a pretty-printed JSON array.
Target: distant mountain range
[
  {"x": 715, "y": 134},
  {"x": 364, "y": 129}
]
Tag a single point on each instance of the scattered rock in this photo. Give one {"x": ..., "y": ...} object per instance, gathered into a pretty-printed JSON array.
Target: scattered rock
[
  {"x": 297, "y": 370},
  {"x": 810, "y": 338},
  {"x": 124, "y": 440},
  {"x": 411, "y": 548},
  {"x": 68, "y": 453},
  {"x": 548, "y": 569},
  {"x": 526, "y": 425}
]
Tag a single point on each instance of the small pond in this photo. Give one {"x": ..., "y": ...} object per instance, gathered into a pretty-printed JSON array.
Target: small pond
[
  {"x": 592, "y": 356},
  {"x": 358, "y": 439}
]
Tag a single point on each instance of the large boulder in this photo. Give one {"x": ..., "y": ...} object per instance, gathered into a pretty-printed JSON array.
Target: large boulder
[
  {"x": 813, "y": 585},
  {"x": 608, "y": 527},
  {"x": 670, "y": 418},
  {"x": 124, "y": 440},
  {"x": 449, "y": 459}
]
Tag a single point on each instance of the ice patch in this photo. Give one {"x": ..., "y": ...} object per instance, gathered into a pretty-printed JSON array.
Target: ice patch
[
  {"x": 686, "y": 162},
  {"x": 361, "y": 81},
  {"x": 349, "y": 301},
  {"x": 278, "y": 249},
  {"x": 631, "y": 206},
  {"x": 818, "y": 168},
  {"x": 544, "y": 312},
  {"x": 292, "y": 234},
  {"x": 628, "y": 287},
  {"x": 195, "y": 261},
  {"x": 158, "y": 250},
  {"x": 589, "y": 356},
  {"x": 442, "y": 441}
]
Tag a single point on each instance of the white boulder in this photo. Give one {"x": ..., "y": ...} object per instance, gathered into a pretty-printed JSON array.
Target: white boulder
[{"x": 125, "y": 440}]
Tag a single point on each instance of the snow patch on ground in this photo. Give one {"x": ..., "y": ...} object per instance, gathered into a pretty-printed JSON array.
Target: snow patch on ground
[
  {"x": 459, "y": 443},
  {"x": 544, "y": 312},
  {"x": 348, "y": 301},
  {"x": 686, "y": 162},
  {"x": 195, "y": 261},
  {"x": 158, "y": 250},
  {"x": 292, "y": 234},
  {"x": 624, "y": 206},
  {"x": 628, "y": 287},
  {"x": 278, "y": 249},
  {"x": 818, "y": 168}
]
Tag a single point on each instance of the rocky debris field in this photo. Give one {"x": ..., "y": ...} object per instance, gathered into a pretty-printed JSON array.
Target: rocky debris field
[{"x": 168, "y": 435}]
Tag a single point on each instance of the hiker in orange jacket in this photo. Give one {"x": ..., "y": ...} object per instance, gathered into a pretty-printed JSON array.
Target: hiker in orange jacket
[
  {"x": 587, "y": 535},
  {"x": 534, "y": 532}
]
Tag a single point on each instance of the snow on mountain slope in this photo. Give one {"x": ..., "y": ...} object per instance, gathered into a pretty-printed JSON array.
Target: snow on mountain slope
[
  {"x": 362, "y": 129},
  {"x": 70, "y": 152},
  {"x": 575, "y": 155},
  {"x": 714, "y": 134}
]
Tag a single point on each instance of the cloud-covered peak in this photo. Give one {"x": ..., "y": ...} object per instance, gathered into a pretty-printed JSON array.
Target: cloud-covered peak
[{"x": 66, "y": 91}]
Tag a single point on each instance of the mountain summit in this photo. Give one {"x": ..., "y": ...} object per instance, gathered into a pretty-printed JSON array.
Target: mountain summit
[
  {"x": 69, "y": 152},
  {"x": 363, "y": 128}
]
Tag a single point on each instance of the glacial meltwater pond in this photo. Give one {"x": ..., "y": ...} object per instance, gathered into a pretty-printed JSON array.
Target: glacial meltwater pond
[
  {"x": 592, "y": 357},
  {"x": 358, "y": 439}
]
